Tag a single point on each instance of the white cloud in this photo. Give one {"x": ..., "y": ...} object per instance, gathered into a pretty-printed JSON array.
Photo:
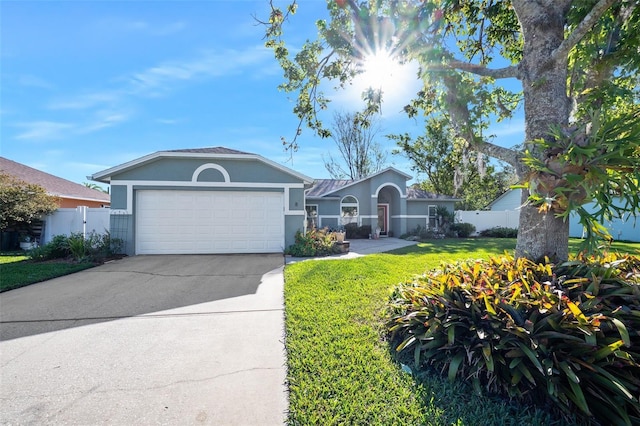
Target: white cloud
[
  {"x": 102, "y": 120},
  {"x": 159, "y": 80},
  {"x": 109, "y": 107},
  {"x": 43, "y": 130},
  {"x": 168, "y": 121},
  {"x": 168, "y": 29},
  {"x": 87, "y": 100},
  {"x": 34, "y": 81},
  {"x": 207, "y": 64},
  {"x": 51, "y": 130},
  {"x": 120, "y": 26}
]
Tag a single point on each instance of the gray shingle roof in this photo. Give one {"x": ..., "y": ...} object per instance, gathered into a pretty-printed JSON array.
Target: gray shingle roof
[
  {"x": 54, "y": 185},
  {"x": 211, "y": 150},
  {"x": 323, "y": 186},
  {"x": 421, "y": 194}
]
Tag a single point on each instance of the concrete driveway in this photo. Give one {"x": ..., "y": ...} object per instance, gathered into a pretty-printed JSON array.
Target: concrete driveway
[{"x": 147, "y": 340}]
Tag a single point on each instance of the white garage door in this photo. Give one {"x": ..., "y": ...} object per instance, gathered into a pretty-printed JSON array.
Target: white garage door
[{"x": 193, "y": 222}]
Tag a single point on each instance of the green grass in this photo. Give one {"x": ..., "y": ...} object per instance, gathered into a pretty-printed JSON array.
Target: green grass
[
  {"x": 17, "y": 271},
  {"x": 10, "y": 257},
  {"x": 340, "y": 370}
]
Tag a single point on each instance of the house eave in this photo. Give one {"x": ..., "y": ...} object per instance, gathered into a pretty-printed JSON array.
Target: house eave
[
  {"x": 105, "y": 175},
  {"x": 355, "y": 182},
  {"x": 435, "y": 199}
]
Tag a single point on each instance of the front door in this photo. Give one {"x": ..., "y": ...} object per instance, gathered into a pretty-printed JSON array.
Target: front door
[{"x": 383, "y": 218}]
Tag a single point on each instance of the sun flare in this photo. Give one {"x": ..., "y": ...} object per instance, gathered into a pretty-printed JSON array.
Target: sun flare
[{"x": 381, "y": 71}]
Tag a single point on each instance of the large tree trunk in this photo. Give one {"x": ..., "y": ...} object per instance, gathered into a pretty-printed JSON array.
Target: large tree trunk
[{"x": 546, "y": 103}]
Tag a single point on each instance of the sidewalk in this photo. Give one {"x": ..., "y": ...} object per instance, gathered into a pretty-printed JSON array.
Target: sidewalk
[{"x": 361, "y": 247}]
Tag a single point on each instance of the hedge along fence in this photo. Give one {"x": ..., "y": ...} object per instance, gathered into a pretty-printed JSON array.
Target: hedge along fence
[{"x": 567, "y": 334}]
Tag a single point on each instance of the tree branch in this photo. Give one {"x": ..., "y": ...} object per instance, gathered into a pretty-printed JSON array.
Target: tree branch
[
  {"x": 507, "y": 155},
  {"x": 581, "y": 30},
  {"x": 506, "y": 72}
]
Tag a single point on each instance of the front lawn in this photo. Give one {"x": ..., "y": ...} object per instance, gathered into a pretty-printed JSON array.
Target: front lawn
[
  {"x": 16, "y": 270},
  {"x": 340, "y": 371}
]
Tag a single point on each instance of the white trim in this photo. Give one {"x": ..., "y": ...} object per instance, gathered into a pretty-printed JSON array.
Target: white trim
[
  {"x": 306, "y": 217},
  {"x": 435, "y": 206},
  {"x": 185, "y": 183},
  {"x": 105, "y": 175},
  {"x": 409, "y": 216},
  {"x": 218, "y": 167},
  {"x": 388, "y": 184},
  {"x": 356, "y": 205},
  {"x": 287, "y": 205}
]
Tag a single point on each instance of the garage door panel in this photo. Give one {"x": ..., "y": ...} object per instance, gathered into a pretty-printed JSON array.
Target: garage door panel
[{"x": 209, "y": 222}]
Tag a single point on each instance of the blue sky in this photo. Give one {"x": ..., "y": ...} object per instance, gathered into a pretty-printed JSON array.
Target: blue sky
[{"x": 89, "y": 85}]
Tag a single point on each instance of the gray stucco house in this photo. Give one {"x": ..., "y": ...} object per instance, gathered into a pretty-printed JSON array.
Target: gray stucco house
[
  {"x": 220, "y": 200},
  {"x": 381, "y": 200}
]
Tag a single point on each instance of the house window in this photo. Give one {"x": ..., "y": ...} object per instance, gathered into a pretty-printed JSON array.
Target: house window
[
  {"x": 432, "y": 219},
  {"x": 349, "y": 210},
  {"x": 312, "y": 216}
]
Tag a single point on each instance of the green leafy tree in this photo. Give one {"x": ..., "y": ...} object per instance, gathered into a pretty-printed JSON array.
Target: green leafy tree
[
  {"x": 360, "y": 155},
  {"x": 95, "y": 186},
  {"x": 21, "y": 203},
  {"x": 451, "y": 169},
  {"x": 575, "y": 61}
]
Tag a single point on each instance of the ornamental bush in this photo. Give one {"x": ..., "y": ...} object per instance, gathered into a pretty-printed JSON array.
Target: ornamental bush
[
  {"x": 95, "y": 247},
  {"x": 566, "y": 334},
  {"x": 499, "y": 232},
  {"x": 316, "y": 242},
  {"x": 463, "y": 230}
]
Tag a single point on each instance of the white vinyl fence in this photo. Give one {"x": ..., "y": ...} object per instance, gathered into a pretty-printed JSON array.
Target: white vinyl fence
[
  {"x": 82, "y": 220},
  {"x": 627, "y": 229},
  {"x": 489, "y": 219}
]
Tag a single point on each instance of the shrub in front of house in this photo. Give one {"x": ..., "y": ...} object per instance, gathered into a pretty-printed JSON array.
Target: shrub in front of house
[
  {"x": 94, "y": 248},
  {"x": 462, "y": 230},
  {"x": 422, "y": 233},
  {"x": 499, "y": 232},
  {"x": 351, "y": 230},
  {"x": 316, "y": 242},
  {"x": 566, "y": 335},
  {"x": 364, "y": 231}
]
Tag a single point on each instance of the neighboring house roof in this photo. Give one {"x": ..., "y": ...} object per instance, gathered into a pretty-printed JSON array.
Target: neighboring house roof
[
  {"x": 54, "y": 185},
  {"x": 210, "y": 152}
]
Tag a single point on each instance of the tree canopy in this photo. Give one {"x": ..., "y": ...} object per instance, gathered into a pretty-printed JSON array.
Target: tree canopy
[
  {"x": 448, "y": 168},
  {"x": 21, "y": 203},
  {"x": 570, "y": 65},
  {"x": 359, "y": 153}
]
